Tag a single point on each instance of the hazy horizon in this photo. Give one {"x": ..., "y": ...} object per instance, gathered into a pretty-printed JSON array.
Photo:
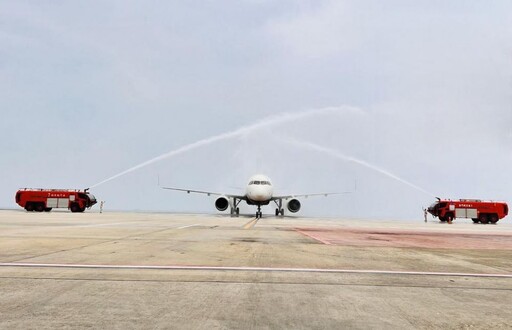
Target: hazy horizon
[{"x": 421, "y": 92}]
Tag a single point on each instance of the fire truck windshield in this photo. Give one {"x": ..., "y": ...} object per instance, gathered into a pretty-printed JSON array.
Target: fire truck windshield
[{"x": 92, "y": 198}]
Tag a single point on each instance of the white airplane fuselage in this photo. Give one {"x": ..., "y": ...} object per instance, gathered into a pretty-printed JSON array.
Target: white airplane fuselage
[{"x": 259, "y": 190}]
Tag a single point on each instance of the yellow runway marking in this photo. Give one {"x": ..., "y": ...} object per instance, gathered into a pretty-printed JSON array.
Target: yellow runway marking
[{"x": 251, "y": 223}]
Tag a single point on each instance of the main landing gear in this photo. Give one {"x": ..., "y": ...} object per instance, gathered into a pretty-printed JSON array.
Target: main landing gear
[
  {"x": 279, "y": 210},
  {"x": 235, "y": 210}
]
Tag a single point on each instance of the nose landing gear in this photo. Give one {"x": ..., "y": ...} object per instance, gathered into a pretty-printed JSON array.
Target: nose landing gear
[{"x": 258, "y": 213}]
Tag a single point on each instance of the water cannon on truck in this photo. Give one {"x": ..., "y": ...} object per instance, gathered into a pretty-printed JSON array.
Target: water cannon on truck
[
  {"x": 40, "y": 200},
  {"x": 477, "y": 210}
]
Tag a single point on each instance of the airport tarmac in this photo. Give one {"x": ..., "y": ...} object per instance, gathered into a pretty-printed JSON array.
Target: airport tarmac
[{"x": 178, "y": 271}]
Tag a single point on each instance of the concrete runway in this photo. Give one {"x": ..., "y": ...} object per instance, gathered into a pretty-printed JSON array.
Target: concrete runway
[{"x": 143, "y": 270}]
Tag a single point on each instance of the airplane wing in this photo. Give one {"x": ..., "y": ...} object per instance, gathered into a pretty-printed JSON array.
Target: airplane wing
[{"x": 209, "y": 193}]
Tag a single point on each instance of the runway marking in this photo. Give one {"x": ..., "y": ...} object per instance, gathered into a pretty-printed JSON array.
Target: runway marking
[
  {"x": 251, "y": 223},
  {"x": 313, "y": 237},
  {"x": 251, "y": 269},
  {"x": 103, "y": 224},
  {"x": 129, "y": 222},
  {"x": 183, "y": 227}
]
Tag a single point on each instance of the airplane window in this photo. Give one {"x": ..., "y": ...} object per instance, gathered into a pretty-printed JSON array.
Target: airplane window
[
  {"x": 256, "y": 182},
  {"x": 252, "y": 182}
]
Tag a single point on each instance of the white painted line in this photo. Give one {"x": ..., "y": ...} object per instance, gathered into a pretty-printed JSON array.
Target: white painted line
[
  {"x": 183, "y": 227},
  {"x": 103, "y": 224},
  {"x": 249, "y": 269},
  {"x": 129, "y": 222}
]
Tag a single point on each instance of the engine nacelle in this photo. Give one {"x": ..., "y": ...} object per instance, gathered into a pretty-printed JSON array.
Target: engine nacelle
[
  {"x": 222, "y": 203},
  {"x": 293, "y": 205}
]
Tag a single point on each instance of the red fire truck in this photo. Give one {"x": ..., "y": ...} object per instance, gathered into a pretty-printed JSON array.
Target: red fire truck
[
  {"x": 40, "y": 200},
  {"x": 475, "y": 209}
]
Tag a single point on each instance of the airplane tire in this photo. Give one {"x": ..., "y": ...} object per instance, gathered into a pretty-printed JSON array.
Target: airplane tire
[{"x": 277, "y": 212}]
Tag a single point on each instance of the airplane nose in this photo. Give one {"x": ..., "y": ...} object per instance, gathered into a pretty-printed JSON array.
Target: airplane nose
[
  {"x": 259, "y": 194},
  {"x": 258, "y": 197}
]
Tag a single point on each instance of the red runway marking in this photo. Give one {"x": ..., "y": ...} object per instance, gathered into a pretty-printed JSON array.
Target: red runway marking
[
  {"x": 408, "y": 238},
  {"x": 313, "y": 237}
]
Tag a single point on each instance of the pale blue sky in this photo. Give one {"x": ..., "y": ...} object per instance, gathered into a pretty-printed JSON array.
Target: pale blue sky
[{"x": 91, "y": 88}]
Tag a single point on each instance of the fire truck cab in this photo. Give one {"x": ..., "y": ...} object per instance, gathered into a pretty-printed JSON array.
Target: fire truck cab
[{"x": 475, "y": 209}]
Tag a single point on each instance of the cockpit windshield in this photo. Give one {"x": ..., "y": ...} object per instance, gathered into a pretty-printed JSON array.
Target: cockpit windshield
[{"x": 257, "y": 182}]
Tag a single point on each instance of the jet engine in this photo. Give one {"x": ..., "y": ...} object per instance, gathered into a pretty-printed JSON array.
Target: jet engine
[
  {"x": 293, "y": 205},
  {"x": 222, "y": 203}
]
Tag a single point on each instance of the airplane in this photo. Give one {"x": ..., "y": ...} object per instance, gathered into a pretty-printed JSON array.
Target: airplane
[{"x": 259, "y": 191}]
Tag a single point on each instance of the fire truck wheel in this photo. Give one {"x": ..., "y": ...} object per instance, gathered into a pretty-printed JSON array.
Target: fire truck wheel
[
  {"x": 449, "y": 217},
  {"x": 48, "y": 209},
  {"x": 29, "y": 207},
  {"x": 493, "y": 218},
  {"x": 40, "y": 207},
  {"x": 475, "y": 220},
  {"x": 483, "y": 218},
  {"x": 442, "y": 219},
  {"x": 74, "y": 207}
]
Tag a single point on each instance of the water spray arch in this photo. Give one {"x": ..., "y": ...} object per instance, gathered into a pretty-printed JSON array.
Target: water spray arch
[
  {"x": 339, "y": 155},
  {"x": 264, "y": 123}
]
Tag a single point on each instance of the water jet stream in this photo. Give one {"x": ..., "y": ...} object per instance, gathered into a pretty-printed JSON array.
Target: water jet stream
[
  {"x": 264, "y": 123},
  {"x": 339, "y": 155}
]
